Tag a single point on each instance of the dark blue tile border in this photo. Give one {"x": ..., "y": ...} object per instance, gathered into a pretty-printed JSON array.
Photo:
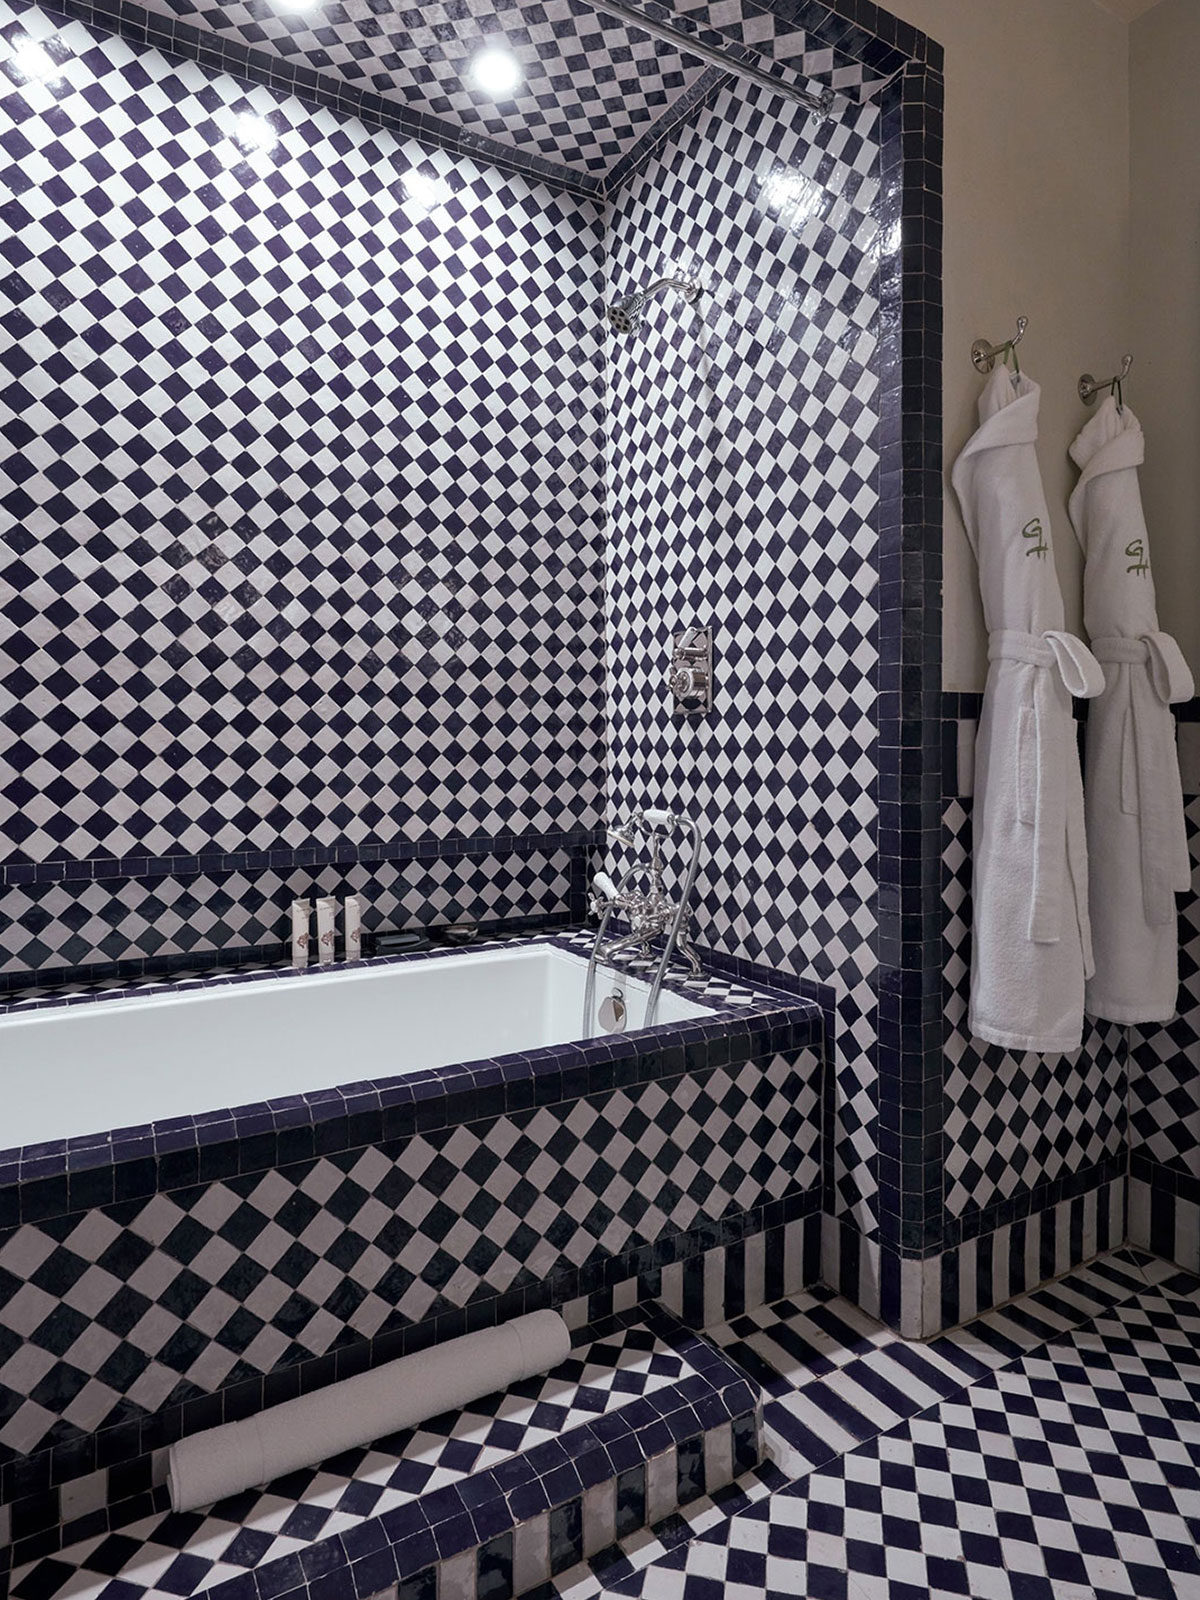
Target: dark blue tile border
[
  {"x": 1165, "y": 1180},
  {"x": 910, "y": 634},
  {"x": 97, "y": 869}
]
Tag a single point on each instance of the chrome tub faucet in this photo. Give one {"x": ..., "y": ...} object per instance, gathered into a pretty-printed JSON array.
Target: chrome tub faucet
[{"x": 650, "y": 911}]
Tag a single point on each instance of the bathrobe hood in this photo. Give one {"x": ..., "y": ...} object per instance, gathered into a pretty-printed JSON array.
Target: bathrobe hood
[{"x": 1019, "y": 589}]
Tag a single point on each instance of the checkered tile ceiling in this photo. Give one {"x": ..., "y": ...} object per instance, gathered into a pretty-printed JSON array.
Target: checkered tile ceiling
[{"x": 591, "y": 87}]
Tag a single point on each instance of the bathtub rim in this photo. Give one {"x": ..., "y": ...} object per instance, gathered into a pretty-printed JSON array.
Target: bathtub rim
[
  {"x": 64, "y": 1176},
  {"x": 202, "y": 1004}
]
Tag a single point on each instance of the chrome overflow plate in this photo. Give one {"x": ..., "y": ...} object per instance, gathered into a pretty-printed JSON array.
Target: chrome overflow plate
[
  {"x": 612, "y": 1012},
  {"x": 690, "y": 676}
]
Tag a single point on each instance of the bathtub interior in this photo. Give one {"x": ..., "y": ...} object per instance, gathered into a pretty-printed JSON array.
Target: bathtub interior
[{"x": 140, "y": 1059}]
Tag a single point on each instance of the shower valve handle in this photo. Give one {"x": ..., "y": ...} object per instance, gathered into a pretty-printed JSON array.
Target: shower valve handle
[{"x": 689, "y": 683}]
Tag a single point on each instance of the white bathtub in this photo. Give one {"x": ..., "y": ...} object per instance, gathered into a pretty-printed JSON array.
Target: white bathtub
[{"x": 74, "y": 1070}]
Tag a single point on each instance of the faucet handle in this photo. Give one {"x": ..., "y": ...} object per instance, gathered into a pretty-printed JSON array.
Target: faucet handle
[{"x": 602, "y": 884}]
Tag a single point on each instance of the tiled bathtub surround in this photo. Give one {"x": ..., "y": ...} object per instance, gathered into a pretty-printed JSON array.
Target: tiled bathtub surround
[
  {"x": 186, "y": 1274},
  {"x": 305, "y": 467},
  {"x": 642, "y": 1417},
  {"x": 743, "y": 483}
]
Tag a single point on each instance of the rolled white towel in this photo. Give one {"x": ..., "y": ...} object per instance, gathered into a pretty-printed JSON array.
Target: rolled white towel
[{"x": 299, "y": 1433}]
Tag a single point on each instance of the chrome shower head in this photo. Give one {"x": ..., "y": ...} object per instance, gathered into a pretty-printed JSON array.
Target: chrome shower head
[{"x": 626, "y": 315}]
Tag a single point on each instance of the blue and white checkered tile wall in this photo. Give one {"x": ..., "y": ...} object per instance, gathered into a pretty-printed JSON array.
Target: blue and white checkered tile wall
[
  {"x": 742, "y": 489},
  {"x": 65, "y": 926},
  {"x": 1164, "y": 1111},
  {"x": 590, "y": 87},
  {"x": 307, "y": 470},
  {"x": 596, "y": 94},
  {"x": 1016, "y": 1123}
]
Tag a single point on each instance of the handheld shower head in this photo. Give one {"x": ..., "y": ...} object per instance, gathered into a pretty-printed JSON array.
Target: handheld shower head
[
  {"x": 626, "y": 315},
  {"x": 625, "y": 833}
]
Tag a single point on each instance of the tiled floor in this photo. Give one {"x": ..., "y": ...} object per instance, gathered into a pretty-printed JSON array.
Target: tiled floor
[{"x": 1047, "y": 1451}]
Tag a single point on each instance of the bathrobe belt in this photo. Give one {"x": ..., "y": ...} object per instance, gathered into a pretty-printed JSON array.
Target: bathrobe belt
[
  {"x": 1043, "y": 767},
  {"x": 1148, "y": 757}
]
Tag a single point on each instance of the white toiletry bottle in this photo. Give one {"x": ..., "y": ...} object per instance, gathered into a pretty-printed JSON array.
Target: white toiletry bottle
[
  {"x": 352, "y": 927},
  {"x": 326, "y": 929},
  {"x": 301, "y": 922}
]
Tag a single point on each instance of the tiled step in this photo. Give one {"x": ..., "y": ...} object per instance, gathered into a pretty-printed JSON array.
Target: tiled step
[
  {"x": 832, "y": 1377},
  {"x": 833, "y": 1380},
  {"x": 1069, "y": 1469},
  {"x": 482, "y": 1504}
]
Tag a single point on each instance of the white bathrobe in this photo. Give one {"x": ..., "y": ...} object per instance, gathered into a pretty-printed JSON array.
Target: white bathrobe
[
  {"x": 1137, "y": 840},
  {"x": 1031, "y": 943}
]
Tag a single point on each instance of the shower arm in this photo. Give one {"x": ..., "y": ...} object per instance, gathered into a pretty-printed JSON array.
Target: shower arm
[
  {"x": 713, "y": 55},
  {"x": 688, "y": 288}
]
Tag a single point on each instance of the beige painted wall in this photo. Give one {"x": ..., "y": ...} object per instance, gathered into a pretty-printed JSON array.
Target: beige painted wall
[
  {"x": 1037, "y": 222},
  {"x": 1165, "y": 259}
]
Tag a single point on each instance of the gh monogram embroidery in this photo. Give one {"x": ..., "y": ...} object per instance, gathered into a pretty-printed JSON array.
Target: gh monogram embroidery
[
  {"x": 1033, "y": 530},
  {"x": 1137, "y": 549}
]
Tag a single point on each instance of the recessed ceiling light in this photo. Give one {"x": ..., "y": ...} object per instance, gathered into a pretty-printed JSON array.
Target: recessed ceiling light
[
  {"x": 34, "y": 61},
  {"x": 496, "y": 71}
]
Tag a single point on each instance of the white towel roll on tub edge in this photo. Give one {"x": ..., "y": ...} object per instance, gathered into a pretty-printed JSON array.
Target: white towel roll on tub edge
[{"x": 298, "y": 1433}]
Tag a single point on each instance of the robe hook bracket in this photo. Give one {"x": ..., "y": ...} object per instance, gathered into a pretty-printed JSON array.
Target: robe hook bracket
[
  {"x": 983, "y": 354},
  {"x": 1090, "y": 387}
]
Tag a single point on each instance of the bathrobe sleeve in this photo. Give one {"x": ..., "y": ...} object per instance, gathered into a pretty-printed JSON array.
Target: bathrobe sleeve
[
  {"x": 1031, "y": 938},
  {"x": 1137, "y": 839}
]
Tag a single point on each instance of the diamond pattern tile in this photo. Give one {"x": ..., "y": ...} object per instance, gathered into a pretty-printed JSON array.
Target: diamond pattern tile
[
  {"x": 1165, "y": 1081},
  {"x": 117, "y": 1312},
  {"x": 73, "y": 925},
  {"x": 248, "y": 342},
  {"x": 1068, "y": 1474},
  {"x": 742, "y": 464},
  {"x": 1016, "y": 1121},
  {"x": 591, "y": 85}
]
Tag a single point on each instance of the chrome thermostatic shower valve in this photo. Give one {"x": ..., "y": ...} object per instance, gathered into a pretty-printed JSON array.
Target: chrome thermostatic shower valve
[{"x": 691, "y": 675}]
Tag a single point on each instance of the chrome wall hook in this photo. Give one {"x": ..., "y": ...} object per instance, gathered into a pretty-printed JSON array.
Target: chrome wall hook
[
  {"x": 1090, "y": 387},
  {"x": 983, "y": 354}
]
